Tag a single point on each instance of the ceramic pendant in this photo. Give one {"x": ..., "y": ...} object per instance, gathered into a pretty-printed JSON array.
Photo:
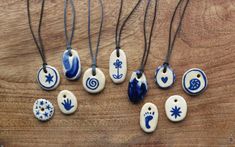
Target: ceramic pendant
[
  {"x": 67, "y": 102},
  {"x": 194, "y": 81},
  {"x": 50, "y": 79},
  {"x": 176, "y": 108},
  {"x": 149, "y": 117},
  {"x": 137, "y": 87},
  {"x": 71, "y": 65},
  {"x": 118, "y": 66},
  {"x": 93, "y": 83},
  {"x": 43, "y": 109},
  {"x": 164, "y": 78}
]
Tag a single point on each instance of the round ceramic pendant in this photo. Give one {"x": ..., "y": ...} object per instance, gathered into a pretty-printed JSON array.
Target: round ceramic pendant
[
  {"x": 50, "y": 79},
  {"x": 43, "y": 109},
  {"x": 176, "y": 108},
  {"x": 71, "y": 65},
  {"x": 67, "y": 102},
  {"x": 149, "y": 117},
  {"x": 164, "y": 78},
  {"x": 118, "y": 66},
  {"x": 93, "y": 83},
  {"x": 194, "y": 81},
  {"x": 137, "y": 87}
]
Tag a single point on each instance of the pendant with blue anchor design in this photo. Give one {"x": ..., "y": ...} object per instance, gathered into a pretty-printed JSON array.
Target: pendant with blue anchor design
[
  {"x": 93, "y": 83},
  {"x": 49, "y": 79},
  {"x": 137, "y": 87},
  {"x": 194, "y": 81},
  {"x": 71, "y": 65},
  {"x": 164, "y": 76}
]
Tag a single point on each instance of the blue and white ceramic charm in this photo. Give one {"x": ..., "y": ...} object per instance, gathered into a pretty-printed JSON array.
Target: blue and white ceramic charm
[
  {"x": 164, "y": 76},
  {"x": 194, "y": 81},
  {"x": 71, "y": 64},
  {"x": 43, "y": 109},
  {"x": 67, "y": 102},
  {"x": 137, "y": 87},
  {"x": 49, "y": 79}
]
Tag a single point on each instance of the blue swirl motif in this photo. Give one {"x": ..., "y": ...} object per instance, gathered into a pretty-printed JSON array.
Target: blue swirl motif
[
  {"x": 194, "y": 84},
  {"x": 118, "y": 65},
  {"x": 71, "y": 69},
  {"x": 92, "y": 83}
]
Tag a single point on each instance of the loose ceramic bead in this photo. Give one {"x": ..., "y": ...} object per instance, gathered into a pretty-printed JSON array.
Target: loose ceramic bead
[
  {"x": 67, "y": 102},
  {"x": 118, "y": 66},
  {"x": 194, "y": 81},
  {"x": 176, "y": 108},
  {"x": 149, "y": 117},
  {"x": 71, "y": 65},
  {"x": 164, "y": 78},
  {"x": 48, "y": 79},
  {"x": 43, "y": 109}
]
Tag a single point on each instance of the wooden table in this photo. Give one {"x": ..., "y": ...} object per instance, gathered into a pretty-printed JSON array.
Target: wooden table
[{"x": 206, "y": 41}]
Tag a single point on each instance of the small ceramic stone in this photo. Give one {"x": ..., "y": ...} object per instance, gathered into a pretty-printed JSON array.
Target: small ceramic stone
[
  {"x": 48, "y": 80},
  {"x": 176, "y": 108},
  {"x": 43, "y": 109},
  {"x": 149, "y": 117},
  {"x": 67, "y": 102},
  {"x": 118, "y": 66},
  {"x": 164, "y": 78},
  {"x": 93, "y": 83},
  {"x": 194, "y": 81}
]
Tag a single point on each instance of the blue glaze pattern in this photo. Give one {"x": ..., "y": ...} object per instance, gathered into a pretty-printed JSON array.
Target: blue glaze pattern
[
  {"x": 164, "y": 79},
  {"x": 43, "y": 109},
  {"x": 92, "y": 83},
  {"x": 175, "y": 112},
  {"x": 148, "y": 117},
  {"x": 194, "y": 84},
  {"x": 118, "y": 65}
]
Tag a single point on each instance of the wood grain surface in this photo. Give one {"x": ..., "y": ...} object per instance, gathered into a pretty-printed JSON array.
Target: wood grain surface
[{"x": 206, "y": 41}]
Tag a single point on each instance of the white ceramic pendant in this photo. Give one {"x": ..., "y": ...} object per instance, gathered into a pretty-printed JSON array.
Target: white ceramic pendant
[
  {"x": 194, "y": 81},
  {"x": 43, "y": 109},
  {"x": 176, "y": 108},
  {"x": 67, "y": 102},
  {"x": 48, "y": 80},
  {"x": 118, "y": 66},
  {"x": 164, "y": 79},
  {"x": 149, "y": 117},
  {"x": 93, "y": 83},
  {"x": 71, "y": 65}
]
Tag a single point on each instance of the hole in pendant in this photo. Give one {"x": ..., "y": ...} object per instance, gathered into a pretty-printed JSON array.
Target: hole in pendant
[
  {"x": 70, "y": 54},
  {"x": 149, "y": 108},
  {"x": 164, "y": 70},
  {"x": 64, "y": 96},
  {"x": 198, "y": 75},
  {"x": 175, "y": 100},
  {"x": 42, "y": 109}
]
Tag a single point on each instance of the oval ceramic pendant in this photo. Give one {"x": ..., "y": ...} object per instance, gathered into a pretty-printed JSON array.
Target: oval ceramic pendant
[
  {"x": 137, "y": 87},
  {"x": 118, "y": 66},
  {"x": 93, "y": 83},
  {"x": 67, "y": 102},
  {"x": 43, "y": 109},
  {"x": 50, "y": 79},
  {"x": 176, "y": 108},
  {"x": 164, "y": 79},
  {"x": 149, "y": 117},
  {"x": 194, "y": 81},
  {"x": 71, "y": 65}
]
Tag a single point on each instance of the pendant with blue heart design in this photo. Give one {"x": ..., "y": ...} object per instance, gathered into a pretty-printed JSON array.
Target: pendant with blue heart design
[
  {"x": 194, "y": 81},
  {"x": 49, "y": 79},
  {"x": 71, "y": 64},
  {"x": 164, "y": 78}
]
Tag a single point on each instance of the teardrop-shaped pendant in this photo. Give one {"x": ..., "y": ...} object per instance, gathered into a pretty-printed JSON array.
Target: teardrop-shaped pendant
[
  {"x": 137, "y": 87},
  {"x": 71, "y": 65}
]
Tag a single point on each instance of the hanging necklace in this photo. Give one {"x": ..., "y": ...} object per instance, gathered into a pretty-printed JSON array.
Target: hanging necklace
[
  {"x": 70, "y": 61},
  {"x": 48, "y": 77},
  {"x": 117, "y": 60},
  {"x": 94, "y": 79},
  {"x": 164, "y": 75},
  {"x": 138, "y": 87}
]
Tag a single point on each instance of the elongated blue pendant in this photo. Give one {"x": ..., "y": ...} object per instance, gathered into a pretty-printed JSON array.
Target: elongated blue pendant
[
  {"x": 137, "y": 87},
  {"x": 71, "y": 65}
]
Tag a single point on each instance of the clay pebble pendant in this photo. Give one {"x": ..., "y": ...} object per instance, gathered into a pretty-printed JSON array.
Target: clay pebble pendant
[
  {"x": 149, "y": 117},
  {"x": 118, "y": 66},
  {"x": 93, "y": 83},
  {"x": 194, "y": 81},
  {"x": 49, "y": 79},
  {"x": 67, "y": 102},
  {"x": 137, "y": 87},
  {"x": 43, "y": 109},
  {"x": 71, "y": 64},
  {"x": 176, "y": 108},
  {"x": 164, "y": 78}
]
